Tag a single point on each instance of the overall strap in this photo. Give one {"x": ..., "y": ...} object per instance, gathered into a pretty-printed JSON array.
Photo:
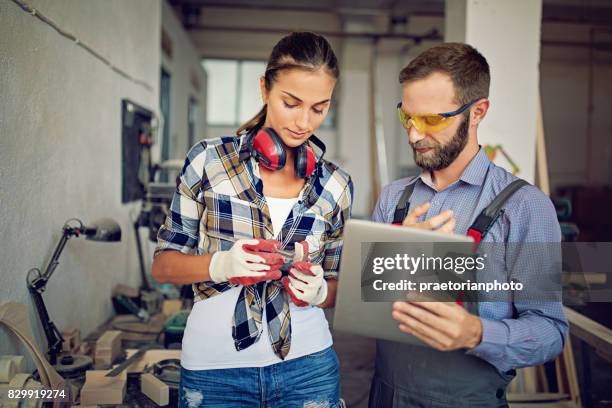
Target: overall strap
[
  {"x": 489, "y": 215},
  {"x": 403, "y": 205}
]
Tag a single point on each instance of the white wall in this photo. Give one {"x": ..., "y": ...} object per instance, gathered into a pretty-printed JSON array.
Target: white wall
[
  {"x": 513, "y": 56},
  {"x": 354, "y": 115},
  {"x": 184, "y": 63},
  {"x": 60, "y": 133}
]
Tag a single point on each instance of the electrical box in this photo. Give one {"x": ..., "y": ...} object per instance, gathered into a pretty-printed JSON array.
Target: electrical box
[{"x": 136, "y": 150}]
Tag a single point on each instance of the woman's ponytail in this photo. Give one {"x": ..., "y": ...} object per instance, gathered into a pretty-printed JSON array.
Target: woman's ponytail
[{"x": 255, "y": 122}]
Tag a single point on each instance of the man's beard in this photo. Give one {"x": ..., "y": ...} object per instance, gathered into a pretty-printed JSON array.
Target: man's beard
[{"x": 443, "y": 155}]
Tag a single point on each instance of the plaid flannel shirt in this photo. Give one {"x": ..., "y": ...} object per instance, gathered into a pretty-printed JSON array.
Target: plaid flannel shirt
[{"x": 219, "y": 198}]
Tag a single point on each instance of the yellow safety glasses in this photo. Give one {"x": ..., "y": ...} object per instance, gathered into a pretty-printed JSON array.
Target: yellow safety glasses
[{"x": 430, "y": 122}]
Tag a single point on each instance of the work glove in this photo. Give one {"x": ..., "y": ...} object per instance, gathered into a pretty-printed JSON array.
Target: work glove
[
  {"x": 305, "y": 283},
  {"x": 248, "y": 262}
]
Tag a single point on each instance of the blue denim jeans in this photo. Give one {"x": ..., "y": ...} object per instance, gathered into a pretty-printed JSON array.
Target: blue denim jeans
[{"x": 312, "y": 381}]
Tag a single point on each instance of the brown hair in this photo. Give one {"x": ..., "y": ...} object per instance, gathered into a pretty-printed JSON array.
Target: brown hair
[
  {"x": 467, "y": 68},
  {"x": 301, "y": 50}
]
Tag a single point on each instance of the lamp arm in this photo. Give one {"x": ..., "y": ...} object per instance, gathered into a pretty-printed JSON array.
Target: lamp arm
[
  {"x": 54, "y": 337},
  {"x": 38, "y": 282},
  {"x": 37, "y": 285},
  {"x": 67, "y": 233}
]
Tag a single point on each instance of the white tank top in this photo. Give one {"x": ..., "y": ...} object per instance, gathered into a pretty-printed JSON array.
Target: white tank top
[{"x": 208, "y": 342}]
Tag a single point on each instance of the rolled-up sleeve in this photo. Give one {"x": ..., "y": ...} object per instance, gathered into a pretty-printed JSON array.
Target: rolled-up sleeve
[
  {"x": 537, "y": 331},
  {"x": 180, "y": 231},
  {"x": 334, "y": 242}
]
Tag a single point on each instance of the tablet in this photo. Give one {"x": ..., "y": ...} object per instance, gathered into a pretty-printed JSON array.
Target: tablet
[{"x": 373, "y": 319}]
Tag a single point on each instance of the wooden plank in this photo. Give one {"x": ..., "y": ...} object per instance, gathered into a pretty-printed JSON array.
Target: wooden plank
[
  {"x": 542, "y": 180},
  {"x": 542, "y": 380},
  {"x": 561, "y": 377},
  {"x": 125, "y": 290},
  {"x": 530, "y": 381},
  {"x": 19, "y": 381},
  {"x": 556, "y": 404},
  {"x": 108, "y": 348},
  {"x": 590, "y": 278},
  {"x": 7, "y": 370},
  {"x": 155, "y": 389},
  {"x": 99, "y": 389},
  {"x": 19, "y": 361},
  {"x": 570, "y": 368},
  {"x": 594, "y": 334},
  {"x": 539, "y": 397}
]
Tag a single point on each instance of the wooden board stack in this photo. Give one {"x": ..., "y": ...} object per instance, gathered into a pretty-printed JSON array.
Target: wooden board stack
[{"x": 108, "y": 348}]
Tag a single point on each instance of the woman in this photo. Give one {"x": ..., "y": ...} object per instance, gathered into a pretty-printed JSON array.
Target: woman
[{"x": 239, "y": 218}]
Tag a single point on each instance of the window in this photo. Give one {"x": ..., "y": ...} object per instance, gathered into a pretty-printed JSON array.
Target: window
[
  {"x": 192, "y": 120},
  {"x": 233, "y": 92},
  {"x": 233, "y": 95},
  {"x": 164, "y": 103}
]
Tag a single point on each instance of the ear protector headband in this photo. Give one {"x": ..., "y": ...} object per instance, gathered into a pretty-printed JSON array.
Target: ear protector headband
[{"x": 269, "y": 150}]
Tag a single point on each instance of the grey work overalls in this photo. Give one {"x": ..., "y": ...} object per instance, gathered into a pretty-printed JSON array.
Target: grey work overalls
[{"x": 414, "y": 376}]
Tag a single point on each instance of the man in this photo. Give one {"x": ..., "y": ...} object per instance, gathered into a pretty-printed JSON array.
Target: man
[{"x": 471, "y": 358}]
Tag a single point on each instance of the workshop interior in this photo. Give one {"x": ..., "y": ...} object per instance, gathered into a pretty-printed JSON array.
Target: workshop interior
[{"x": 102, "y": 100}]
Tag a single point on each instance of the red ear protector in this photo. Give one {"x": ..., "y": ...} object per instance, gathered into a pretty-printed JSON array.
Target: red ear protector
[{"x": 269, "y": 150}]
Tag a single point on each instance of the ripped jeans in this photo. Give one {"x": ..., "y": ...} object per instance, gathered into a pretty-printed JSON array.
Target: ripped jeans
[{"x": 312, "y": 381}]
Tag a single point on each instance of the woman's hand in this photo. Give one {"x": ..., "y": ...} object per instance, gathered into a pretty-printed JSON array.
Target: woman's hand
[
  {"x": 305, "y": 283},
  {"x": 248, "y": 262}
]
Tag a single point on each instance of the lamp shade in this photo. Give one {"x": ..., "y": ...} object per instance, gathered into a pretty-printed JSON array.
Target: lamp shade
[{"x": 104, "y": 229}]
